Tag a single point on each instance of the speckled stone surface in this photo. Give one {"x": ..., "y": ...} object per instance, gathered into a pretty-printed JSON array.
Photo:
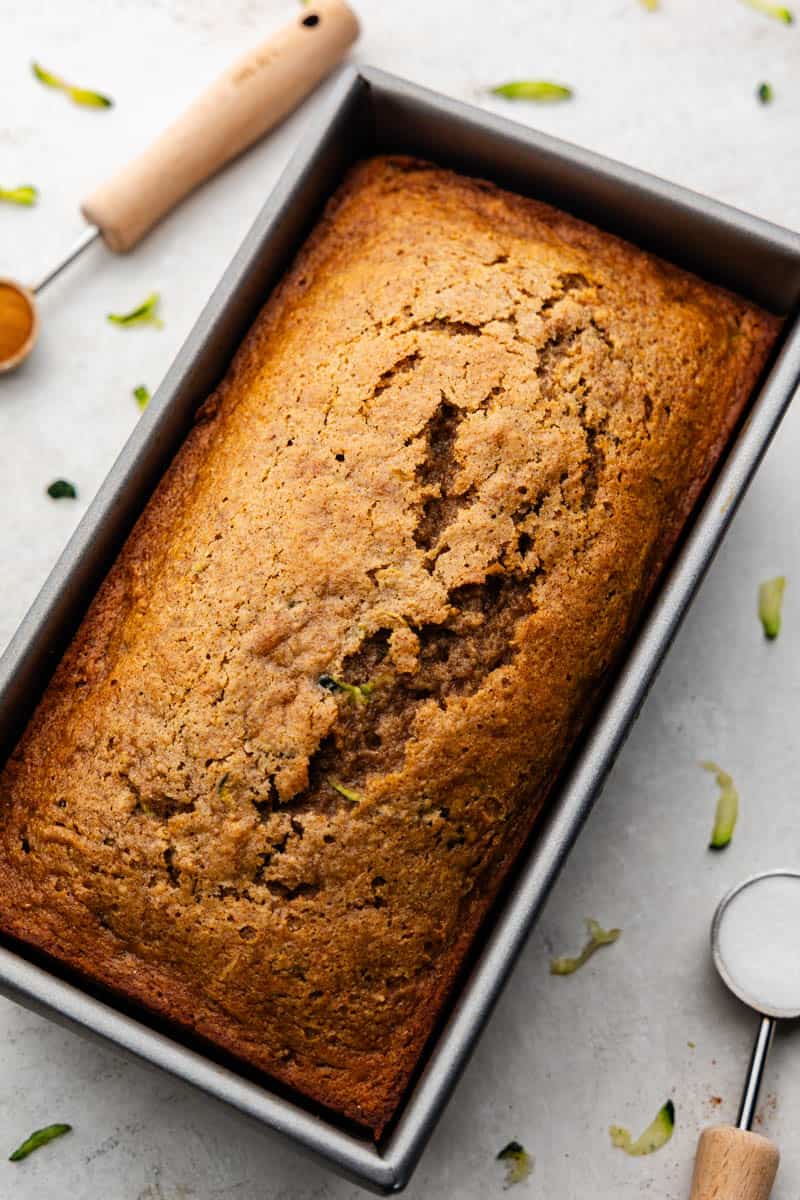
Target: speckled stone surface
[{"x": 673, "y": 92}]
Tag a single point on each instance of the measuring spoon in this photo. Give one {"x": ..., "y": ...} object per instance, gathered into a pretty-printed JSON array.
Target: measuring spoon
[
  {"x": 239, "y": 108},
  {"x": 755, "y": 945}
]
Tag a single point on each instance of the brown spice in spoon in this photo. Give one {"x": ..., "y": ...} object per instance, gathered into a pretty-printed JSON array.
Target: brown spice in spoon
[{"x": 16, "y": 321}]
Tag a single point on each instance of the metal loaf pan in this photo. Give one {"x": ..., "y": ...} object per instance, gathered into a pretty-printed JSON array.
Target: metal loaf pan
[{"x": 369, "y": 112}]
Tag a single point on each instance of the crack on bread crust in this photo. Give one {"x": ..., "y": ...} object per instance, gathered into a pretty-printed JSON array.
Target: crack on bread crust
[
  {"x": 565, "y": 283},
  {"x": 402, "y": 369},
  {"x": 436, "y": 475},
  {"x": 455, "y": 660}
]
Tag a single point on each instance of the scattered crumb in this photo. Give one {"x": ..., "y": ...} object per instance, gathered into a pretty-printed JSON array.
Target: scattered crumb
[
  {"x": 715, "y": 1100},
  {"x": 691, "y": 1045},
  {"x": 766, "y": 1109}
]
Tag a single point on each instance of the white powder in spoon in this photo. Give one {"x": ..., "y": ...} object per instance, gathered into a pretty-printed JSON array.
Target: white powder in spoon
[{"x": 759, "y": 944}]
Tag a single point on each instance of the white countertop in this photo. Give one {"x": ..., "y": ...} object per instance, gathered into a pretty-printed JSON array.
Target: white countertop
[{"x": 672, "y": 92}]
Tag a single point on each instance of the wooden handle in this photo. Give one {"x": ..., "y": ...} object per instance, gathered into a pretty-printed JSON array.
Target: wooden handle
[
  {"x": 232, "y": 114},
  {"x": 732, "y": 1164}
]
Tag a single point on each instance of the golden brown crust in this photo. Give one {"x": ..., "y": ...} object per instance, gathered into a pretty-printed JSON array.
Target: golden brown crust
[{"x": 448, "y": 463}]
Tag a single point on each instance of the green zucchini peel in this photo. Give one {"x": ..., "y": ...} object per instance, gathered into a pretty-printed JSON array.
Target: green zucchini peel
[
  {"x": 144, "y": 314},
  {"x": 26, "y": 194},
  {"x": 142, "y": 396},
  {"x": 62, "y": 489},
  {"x": 776, "y": 11},
  {"x": 727, "y": 807},
  {"x": 597, "y": 937},
  {"x": 39, "y": 1137},
  {"x": 770, "y": 604},
  {"x": 359, "y": 693},
  {"x": 78, "y": 95},
  {"x": 348, "y": 793},
  {"x": 540, "y": 90},
  {"x": 518, "y": 1163},
  {"x": 657, "y": 1134}
]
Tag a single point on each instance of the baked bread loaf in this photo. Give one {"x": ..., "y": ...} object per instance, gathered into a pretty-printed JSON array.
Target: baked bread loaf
[{"x": 312, "y": 714}]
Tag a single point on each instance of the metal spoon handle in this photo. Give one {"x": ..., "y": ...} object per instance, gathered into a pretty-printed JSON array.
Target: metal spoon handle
[
  {"x": 755, "y": 1073},
  {"x": 731, "y": 1161},
  {"x": 87, "y": 237}
]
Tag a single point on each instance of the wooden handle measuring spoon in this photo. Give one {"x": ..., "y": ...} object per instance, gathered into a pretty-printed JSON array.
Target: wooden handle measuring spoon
[
  {"x": 754, "y": 946},
  {"x": 233, "y": 113}
]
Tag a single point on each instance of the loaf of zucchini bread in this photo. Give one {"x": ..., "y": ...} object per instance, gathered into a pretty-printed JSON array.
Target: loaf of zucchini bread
[{"x": 311, "y": 716}]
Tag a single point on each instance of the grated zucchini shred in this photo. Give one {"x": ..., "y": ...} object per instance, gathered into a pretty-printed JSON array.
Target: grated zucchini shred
[
  {"x": 657, "y": 1134},
  {"x": 770, "y": 604},
  {"x": 518, "y": 1163},
  {"x": 597, "y": 937},
  {"x": 727, "y": 807}
]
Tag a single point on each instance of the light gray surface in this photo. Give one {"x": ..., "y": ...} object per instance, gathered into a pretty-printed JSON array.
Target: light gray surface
[{"x": 672, "y": 92}]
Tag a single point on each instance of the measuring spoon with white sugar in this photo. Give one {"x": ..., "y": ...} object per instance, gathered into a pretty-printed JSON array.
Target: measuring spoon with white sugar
[
  {"x": 241, "y": 106},
  {"x": 755, "y": 944}
]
